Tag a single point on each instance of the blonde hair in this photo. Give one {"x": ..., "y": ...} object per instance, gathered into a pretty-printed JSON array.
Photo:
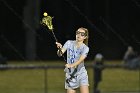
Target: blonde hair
[{"x": 86, "y": 34}]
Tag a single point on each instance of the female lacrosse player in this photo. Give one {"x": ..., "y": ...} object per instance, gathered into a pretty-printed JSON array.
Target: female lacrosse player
[{"x": 77, "y": 50}]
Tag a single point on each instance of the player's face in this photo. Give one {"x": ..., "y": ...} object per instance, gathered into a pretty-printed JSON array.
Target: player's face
[{"x": 80, "y": 35}]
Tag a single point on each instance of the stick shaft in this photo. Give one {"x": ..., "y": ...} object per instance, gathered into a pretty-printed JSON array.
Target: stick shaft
[
  {"x": 58, "y": 48},
  {"x": 54, "y": 36}
]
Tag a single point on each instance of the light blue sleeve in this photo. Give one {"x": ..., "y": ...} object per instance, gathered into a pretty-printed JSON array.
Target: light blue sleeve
[
  {"x": 85, "y": 51},
  {"x": 66, "y": 45}
]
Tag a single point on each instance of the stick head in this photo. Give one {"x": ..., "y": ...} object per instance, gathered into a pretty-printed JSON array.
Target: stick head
[{"x": 47, "y": 21}]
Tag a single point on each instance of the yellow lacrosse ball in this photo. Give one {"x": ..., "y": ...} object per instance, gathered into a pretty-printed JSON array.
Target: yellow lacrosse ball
[{"x": 45, "y": 14}]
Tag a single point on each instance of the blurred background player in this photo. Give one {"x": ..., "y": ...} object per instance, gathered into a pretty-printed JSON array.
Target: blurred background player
[
  {"x": 131, "y": 59},
  {"x": 98, "y": 67}
]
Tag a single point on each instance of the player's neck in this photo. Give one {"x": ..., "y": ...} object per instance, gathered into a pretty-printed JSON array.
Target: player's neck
[{"x": 78, "y": 44}]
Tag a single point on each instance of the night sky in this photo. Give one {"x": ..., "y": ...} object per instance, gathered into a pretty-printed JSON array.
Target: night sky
[{"x": 113, "y": 25}]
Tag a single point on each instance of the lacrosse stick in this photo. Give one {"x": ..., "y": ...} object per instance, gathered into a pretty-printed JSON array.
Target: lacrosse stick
[{"x": 47, "y": 22}]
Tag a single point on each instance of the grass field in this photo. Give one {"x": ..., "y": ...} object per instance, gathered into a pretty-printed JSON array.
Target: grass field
[{"x": 52, "y": 80}]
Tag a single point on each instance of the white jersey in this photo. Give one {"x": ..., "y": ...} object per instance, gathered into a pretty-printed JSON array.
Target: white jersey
[{"x": 74, "y": 53}]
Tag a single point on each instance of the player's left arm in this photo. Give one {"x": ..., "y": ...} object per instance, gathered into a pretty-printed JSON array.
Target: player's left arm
[{"x": 81, "y": 59}]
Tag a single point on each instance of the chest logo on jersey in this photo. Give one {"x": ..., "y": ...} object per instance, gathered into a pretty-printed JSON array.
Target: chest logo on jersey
[{"x": 73, "y": 54}]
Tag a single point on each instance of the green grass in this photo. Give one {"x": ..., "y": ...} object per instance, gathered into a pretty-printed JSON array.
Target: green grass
[
  {"x": 52, "y": 80},
  {"x": 120, "y": 80}
]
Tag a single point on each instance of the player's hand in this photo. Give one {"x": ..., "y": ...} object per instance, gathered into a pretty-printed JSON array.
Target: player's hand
[
  {"x": 69, "y": 65},
  {"x": 59, "y": 45}
]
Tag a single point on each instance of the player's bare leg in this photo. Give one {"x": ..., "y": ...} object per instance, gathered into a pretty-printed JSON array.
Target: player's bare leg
[
  {"x": 71, "y": 91},
  {"x": 84, "y": 89}
]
